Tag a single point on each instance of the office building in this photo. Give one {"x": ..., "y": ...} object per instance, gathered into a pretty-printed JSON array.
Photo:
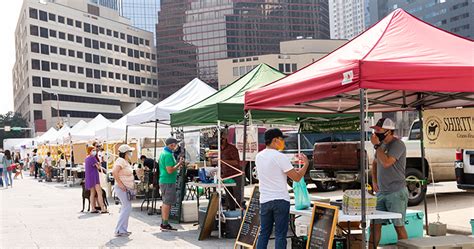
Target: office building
[
  {"x": 142, "y": 13},
  {"x": 347, "y": 18},
  {"x": 293, "y": 56},
  {"x": 456, "y": 16},
  {"x": 193, "y": 35},
  {"x": 75, "y": 60}
]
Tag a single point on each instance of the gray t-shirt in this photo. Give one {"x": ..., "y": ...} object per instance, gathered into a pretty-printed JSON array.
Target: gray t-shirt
[{"x": 392, "y": 179}]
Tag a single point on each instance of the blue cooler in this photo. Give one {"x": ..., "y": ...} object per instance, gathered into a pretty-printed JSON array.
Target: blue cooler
[{"x": 413, "y": 225}]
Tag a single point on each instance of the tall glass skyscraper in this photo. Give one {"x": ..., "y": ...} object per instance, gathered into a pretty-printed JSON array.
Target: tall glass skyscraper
[
  {"x": 193, "y": 35},
  {"x": 142, "y": 13}
]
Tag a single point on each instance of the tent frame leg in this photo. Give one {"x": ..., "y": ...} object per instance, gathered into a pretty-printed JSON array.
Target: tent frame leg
[
  {"x": 362, "y": 166},
  {"x": 423, "y": 165}
]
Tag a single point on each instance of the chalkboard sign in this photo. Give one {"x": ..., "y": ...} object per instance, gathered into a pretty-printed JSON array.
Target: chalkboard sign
[
  {"x": 323, "y": 226},
  {"x": 176, "y": 209},
  {"x": 210, "y": 217},
  {"x": 250, "y": 226}
]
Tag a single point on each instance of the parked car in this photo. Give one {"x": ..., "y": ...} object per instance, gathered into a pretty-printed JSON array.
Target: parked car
[
  {"x": 338, "y": 161},
  {"x": 464, "y": 169}
]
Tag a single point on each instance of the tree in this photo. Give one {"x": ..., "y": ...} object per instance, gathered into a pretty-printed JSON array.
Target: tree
[{"x": 14, "y": 120}]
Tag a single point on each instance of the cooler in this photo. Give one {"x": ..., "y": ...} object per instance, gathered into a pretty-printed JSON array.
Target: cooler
[{"x": 413, "y": 225}]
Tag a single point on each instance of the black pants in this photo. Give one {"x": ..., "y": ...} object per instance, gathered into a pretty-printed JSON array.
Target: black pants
[
  {"x": 37, "y": 166},
  {"x": 236, "y": 192}
]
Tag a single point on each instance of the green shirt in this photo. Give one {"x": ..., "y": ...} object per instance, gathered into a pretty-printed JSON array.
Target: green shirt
[{"x": 167, "y": 160}]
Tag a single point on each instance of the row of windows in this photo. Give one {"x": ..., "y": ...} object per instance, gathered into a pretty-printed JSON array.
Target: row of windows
[
  {"x": 81, "y": 114},
  {"x": 90, "y": 58},
  {"x": 89, "y": 28},
  {"x": 89, "y": 72},
  {"x": 89, "y": 43},
  {"x": 46, "y": 82}
]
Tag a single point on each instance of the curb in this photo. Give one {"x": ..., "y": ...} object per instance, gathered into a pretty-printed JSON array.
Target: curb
[{"x": 459, "y": 231}]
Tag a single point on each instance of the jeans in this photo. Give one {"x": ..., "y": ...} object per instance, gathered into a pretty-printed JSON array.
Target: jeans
[
  {"x": 125, "y": 210},
  {"x": 278, "y": 212},
  {"x": 1, "y": 176},
  {"x": 37, "y": 166},
  {"x": 8, "y": 178}
]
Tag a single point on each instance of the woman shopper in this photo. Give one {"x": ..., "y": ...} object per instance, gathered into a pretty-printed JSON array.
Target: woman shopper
[
  {"x": 19, "y": 166},
  {"x": 8, "y": 162},
  {"x": 48, "y": 167},
  {"x": 92, "y": 180},
  {"x": 124, "y": 188}
]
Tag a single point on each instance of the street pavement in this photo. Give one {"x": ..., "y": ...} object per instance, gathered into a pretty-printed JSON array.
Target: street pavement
[{"x": 46, "y": 215}]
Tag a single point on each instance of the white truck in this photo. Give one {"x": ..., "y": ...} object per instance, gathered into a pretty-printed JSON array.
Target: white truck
[
  {"x": 464, "y": 168},
  {"x": 338, "y": 162}
]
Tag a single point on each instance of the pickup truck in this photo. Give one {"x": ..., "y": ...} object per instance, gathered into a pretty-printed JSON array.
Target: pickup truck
[
  {"x": 464, "y": 169},
  {"x": 339, "y": 162}
]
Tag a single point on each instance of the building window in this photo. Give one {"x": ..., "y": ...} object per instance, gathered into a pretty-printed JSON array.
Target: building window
[
  {"x": 118, "y": 90},
  {"x": 95, "y": 44},
  {"x": 79, "y": 39},
  {"x": 89, "y": 73},
  {"x": 95, "y": 30},
  {"x": 54, "y": 66},
  {"x": 96, "y": 74},
  {"x": 34, "y": 30},
  {"x": 61, "y": 19},
  {"x": 53, "y": 49},
  {"x": 281, "y": 67},
  {"x": 88, "y": 58},
  {"x": 34, "y": 47},
  {"x": 78, "y": 24},
  {"x": 71, "y": 53},
  {"x": 72, "y": 69},
  {"x": 87, "y": 27},
  {"x": 101, "y": 30},
  {"x": 116, "y": 34},
  {"x": 81, "y": 85},
  {"x": 44, "y": 33},
  {"x": 36, "y": 81},
  {"x": 33, "y": 13},
  {"x": 111, "y": 75},
  {"x": 124, "y": 77},
  {"x": 45, "y": 66},
  {"x": 72, "y": 84},
  {"x": 103, "y": 74},
  {"x": 37, "y": 115},
  {"x": 46, "y": 82},
  {"x": 63, "y": 67},
  {"x": 110, "y": 61},
  {"x": 235, "y": 71},
  {"x": 63, "y": 83},
  {"x": 62, "y": 35},
  {"x": 117, "y": 76},
  {"x": 70, "y": 22},
  {"x": 70, "y": 37},
  {"x": 52, "y": 17},
  {"x": 55, "y": 82},
  {"x": 293, "y": 67},
  {"x": 111, "y": 89},
  {"x": 44, "y": 49},
  {"x": 96, "y": 59},
  {"x": 104, "y": 88},
  {"x": 125, "y": 90},
  {"x": 87, "y": 43},
  {"x": 97, "y": 88},
  {"x": 62, "y": 51},
  {"x": 109, "y": 46},
  {"x": 52, "y": 33},
  {"x": 122, "y": 36},
  {"x": 80, "y": 70},
  {"x": 90, "y": 88},
  {"x": 43, "y": 16},
  {"x": 35, "y": 64},
  {"x": 102, "y": 45}
]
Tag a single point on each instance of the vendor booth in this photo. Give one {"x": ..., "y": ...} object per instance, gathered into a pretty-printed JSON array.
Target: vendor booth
[{"x": 400, "y": 63}]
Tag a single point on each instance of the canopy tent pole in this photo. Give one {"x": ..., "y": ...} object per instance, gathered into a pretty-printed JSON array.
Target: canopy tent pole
[
  {"x": 153, "y": 192},
  {"x": 219, "y": 186},
  {"x": 423, "y": 165},
  {"x": 126, "y": 134},
  {"x": 362, "y": 165},
  {"x": 244, "y": 154}
]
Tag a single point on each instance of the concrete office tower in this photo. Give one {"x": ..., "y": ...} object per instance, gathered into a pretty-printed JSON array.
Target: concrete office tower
[
  {"x": 193, "y": 35},
  {"x": 347, "y": 18},
  {"x": 142, "y": 13},
  {"x": 78, "y": 58},
  {"x": 456, "y": 16}
]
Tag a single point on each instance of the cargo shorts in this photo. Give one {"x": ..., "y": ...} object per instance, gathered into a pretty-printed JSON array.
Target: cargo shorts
[
  {"x": 168, "y": 193},
  {"x": 395, "y": 202}
]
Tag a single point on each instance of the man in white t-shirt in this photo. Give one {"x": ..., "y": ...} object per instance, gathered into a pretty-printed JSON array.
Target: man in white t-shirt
[{"x": 273, "y": 168}]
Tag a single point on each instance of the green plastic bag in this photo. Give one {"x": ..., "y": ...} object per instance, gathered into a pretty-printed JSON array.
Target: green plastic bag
[{"x": 301, "y": 195}]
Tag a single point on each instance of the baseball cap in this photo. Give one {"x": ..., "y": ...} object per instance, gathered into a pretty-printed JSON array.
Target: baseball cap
[
  {"x": 384, "y": 123},
  {"x": 171, "y": 140},
  {"x": 124, "y": 148},
  {"x": 272, "y": 133}
]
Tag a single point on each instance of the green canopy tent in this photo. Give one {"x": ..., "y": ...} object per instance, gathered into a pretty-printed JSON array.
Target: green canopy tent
[{"x": 227, "y": 105}]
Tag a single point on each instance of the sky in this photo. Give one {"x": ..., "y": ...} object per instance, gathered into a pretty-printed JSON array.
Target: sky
[{"x": 8, "y": 18}]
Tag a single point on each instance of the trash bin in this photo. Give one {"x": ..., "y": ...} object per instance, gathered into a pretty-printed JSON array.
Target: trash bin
[{"x": 233, "y": 220}]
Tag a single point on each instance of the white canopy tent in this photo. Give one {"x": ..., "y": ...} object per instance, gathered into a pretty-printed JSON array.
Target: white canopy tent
[
  {"x": 116, "y": 131},
  {"x": 87, "y": 132},
  {"x": 17, "y": 144},
  {"x": 48, "y": 136},
  {"x": 63, "y": 132},
  {"x": 192, "y": 93}
]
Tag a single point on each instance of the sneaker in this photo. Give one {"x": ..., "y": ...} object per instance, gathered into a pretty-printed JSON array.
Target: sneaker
[
  {"x": 122, "y": 234},
  {"x": 167, "y": 227}
]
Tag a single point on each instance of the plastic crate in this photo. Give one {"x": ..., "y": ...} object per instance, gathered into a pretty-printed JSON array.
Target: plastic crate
[{"x": 413, "y": 225}]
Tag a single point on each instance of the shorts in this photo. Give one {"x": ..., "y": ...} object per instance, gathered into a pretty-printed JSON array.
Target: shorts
[
  {"x": 395, "y": 202},
  {"x": 168, "y": 193}
]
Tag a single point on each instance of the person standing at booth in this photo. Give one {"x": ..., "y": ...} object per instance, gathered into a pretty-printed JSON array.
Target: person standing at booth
[
  {"x": 168, "y": 174},
  {"x": 230, "y": 157},
  {"x": 388, "y": 177},
  {"x": 273, "y": 169}
]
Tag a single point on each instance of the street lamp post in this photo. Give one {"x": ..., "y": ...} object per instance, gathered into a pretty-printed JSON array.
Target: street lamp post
[{"x": 59, "y": 117}]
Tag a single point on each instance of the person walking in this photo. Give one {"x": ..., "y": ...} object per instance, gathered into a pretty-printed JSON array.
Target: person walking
[
  {"x": 388, "y": 178},
  {"x": 2, "y": 167},
  {"x": 124, "y": 188},
  {"x": 48, "y": 167},
  {"x": 92, "y": 181},
  {"x": 35, "y": 162},
  {"x": 19, "y": 166},
  {"x": 168, "y": 174},
  {"x": 273, "y": 169},
  {"x": 8, "y": 162}
]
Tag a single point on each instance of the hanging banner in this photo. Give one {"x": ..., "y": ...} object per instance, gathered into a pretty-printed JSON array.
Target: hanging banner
[
  {"x": 252, "y": 142},
  {"x": 191, "y": 146},
  {"x": 336, "y": 125},
  {"x": 449, "y": 128}
]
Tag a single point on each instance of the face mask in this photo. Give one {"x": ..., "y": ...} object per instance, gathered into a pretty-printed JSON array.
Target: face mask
[
  {"x": 280, "y": 145},
  {"x": 94, "y": 153},
  {"x": 381, "y": 136}
]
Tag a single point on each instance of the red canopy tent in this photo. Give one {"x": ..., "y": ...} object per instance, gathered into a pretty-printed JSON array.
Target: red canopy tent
[
  {"x": 400, "y": 63},
  {"x": 396, "y": 58}
]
